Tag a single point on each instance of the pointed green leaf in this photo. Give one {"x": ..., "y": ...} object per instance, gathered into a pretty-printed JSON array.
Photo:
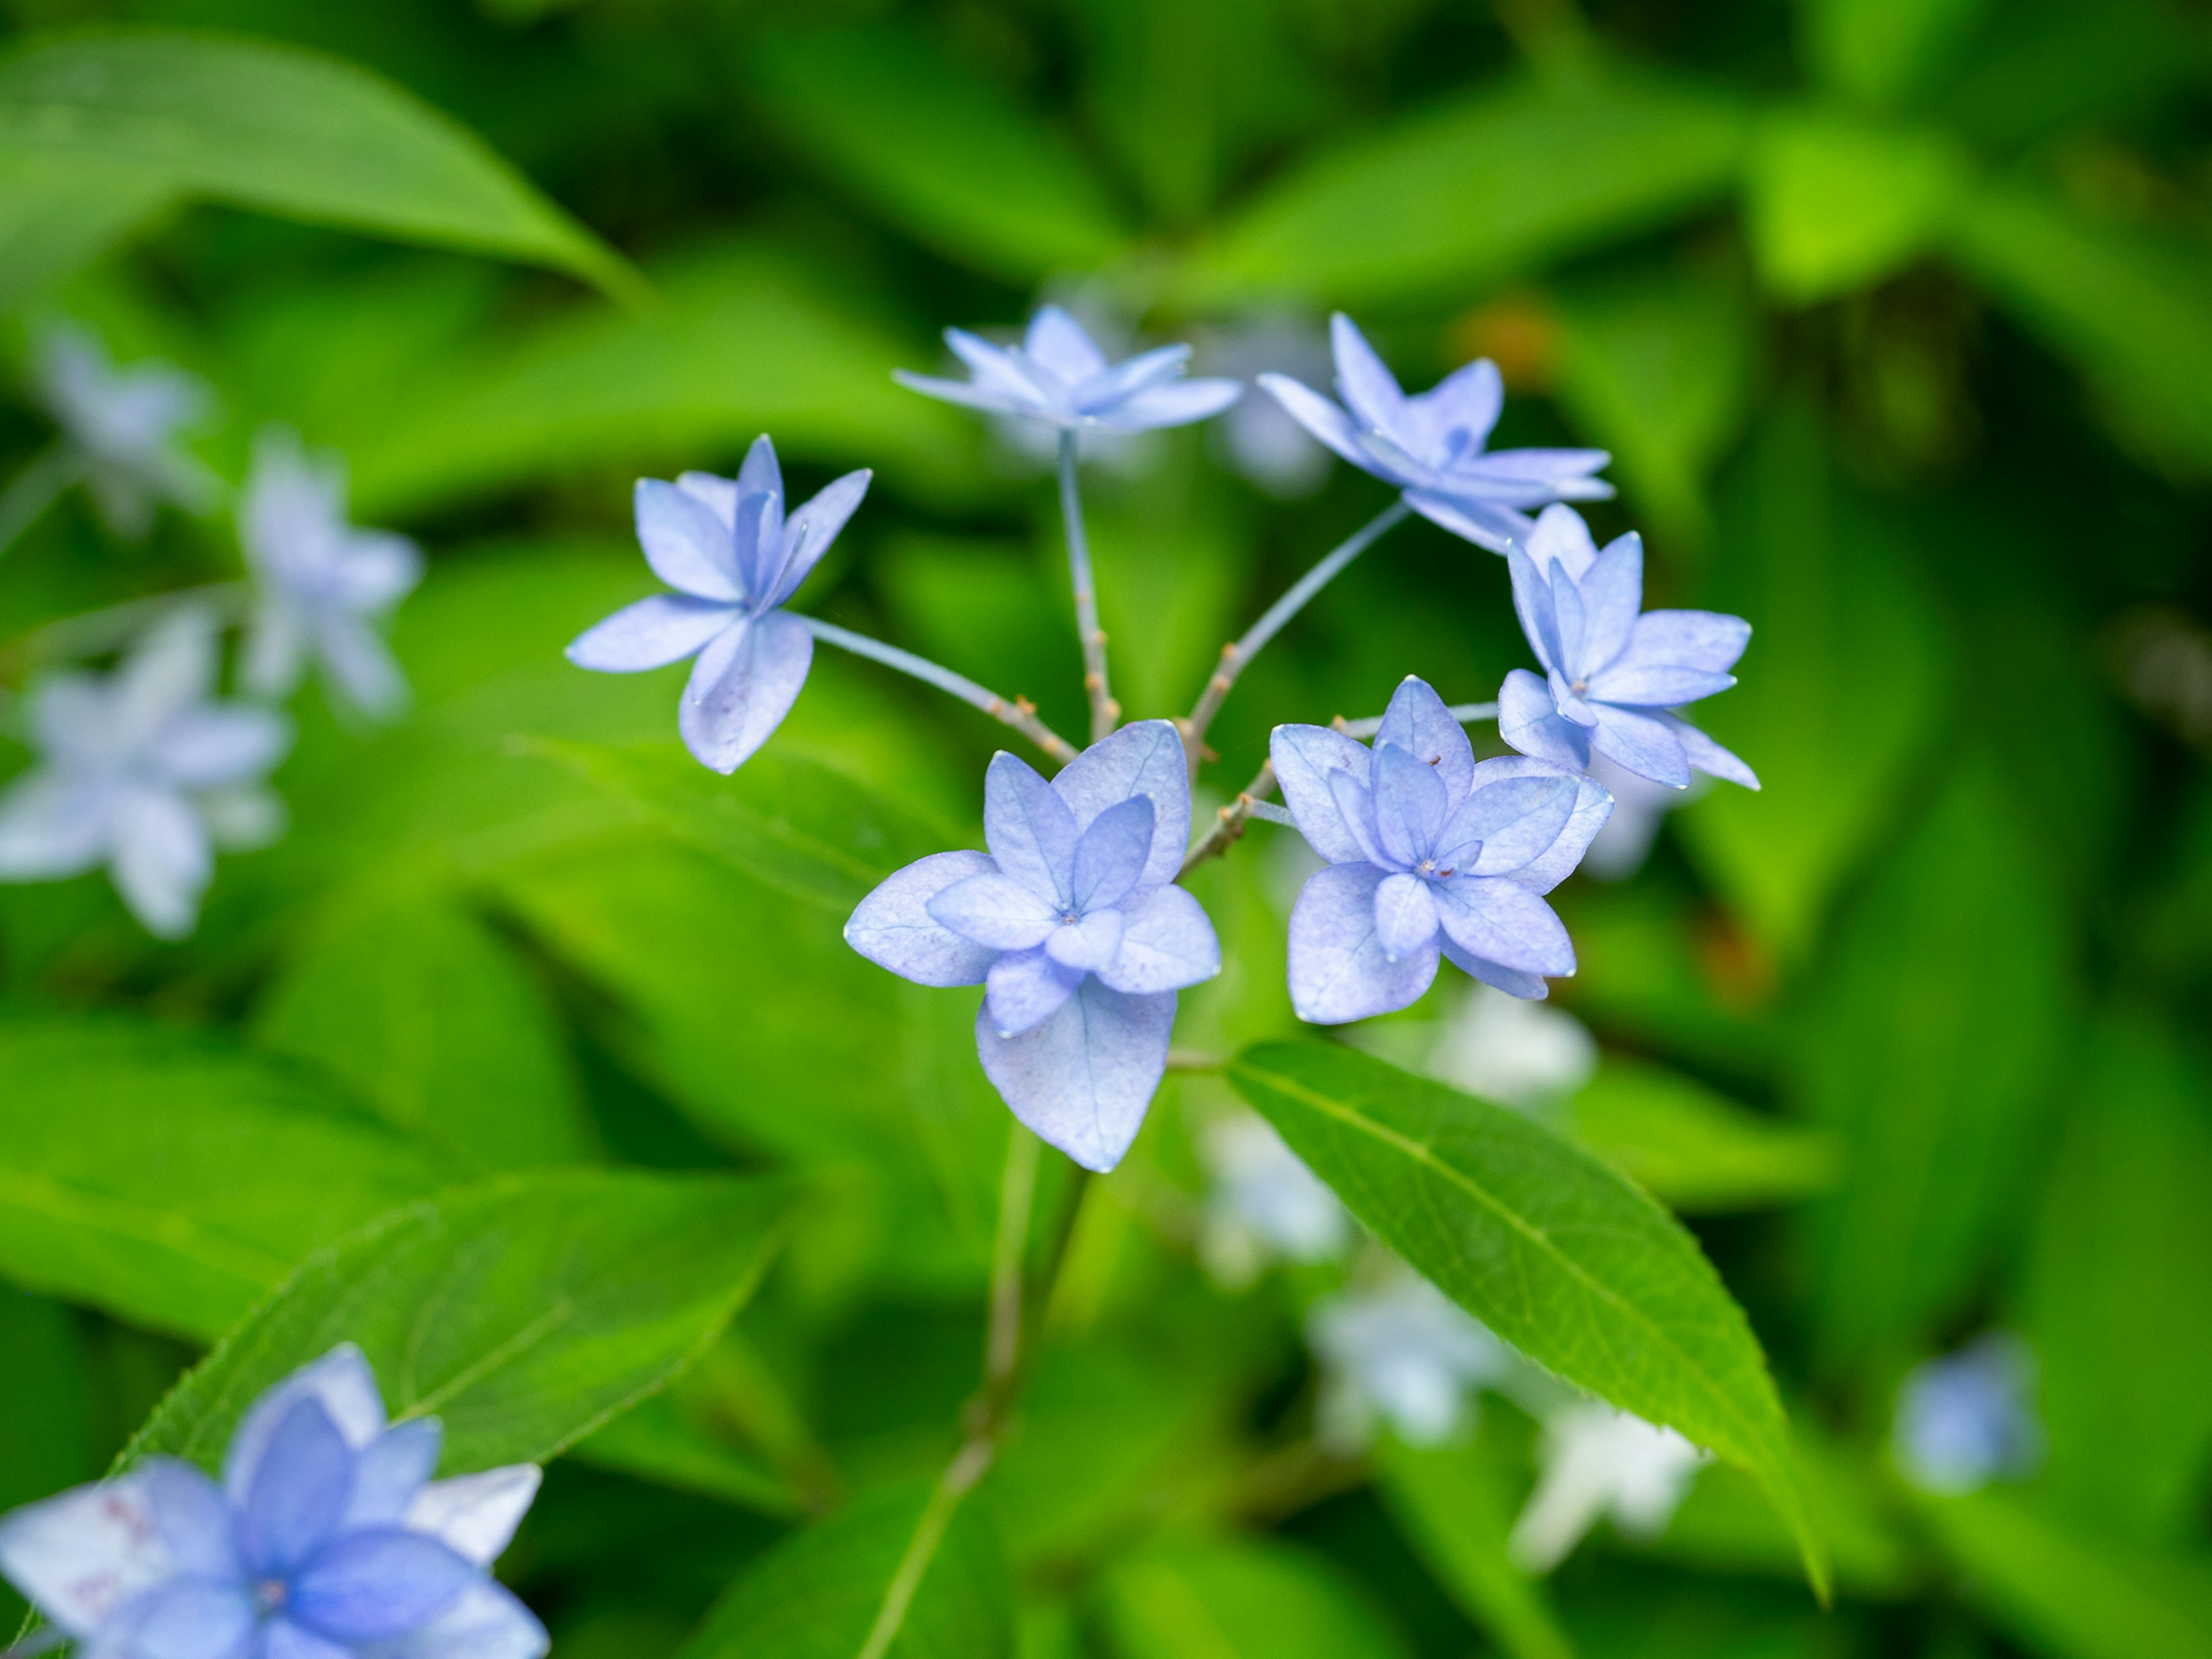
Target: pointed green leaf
[
  {"x": 1838, "y": 203},
  {"x": 1696, "y": 1151},
  {"x": 59, "y": 210},
  {"x": 1456, "y": 1504},
  {"x": 1186, "y": 1600}
]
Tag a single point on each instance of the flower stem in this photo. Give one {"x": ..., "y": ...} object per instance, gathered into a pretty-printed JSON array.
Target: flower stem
[
  {"x": 1236, "y": 657},
  {"x": 37, "y": 487},
  {"x": 1228, "y": 824},
  {"x": 1020, "y": 714},
  {"x": 1105, "y": 713}
]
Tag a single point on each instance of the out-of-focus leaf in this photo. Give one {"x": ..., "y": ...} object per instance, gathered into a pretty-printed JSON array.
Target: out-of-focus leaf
[
  {"x": 657, "y": 1441},
  {"x": 1846, "y": 668},
  {"x": 1556, "y": 1252},
  {"x": 1238, "y": 1600},
  {"x": 524, "y": 1312},
  {"x": 738, "y": 344},
  {"x": 1171, "y": 562},
  {"x": 2119, "y": 1301},
  {"x": 934, "y": 147},
  {"x": 1726, "y": 1525},
  {"x": 171, "y": 1180},
  {"x": 2132, "y": 311},
  {"x": 819, "y": 1594},
  {"x": 59, "y": 210},
  {"x": 1457, "y": 1504},
  {"x": 1485, "y": 187},
  {"x": 1659, "y": 370},
  {"x": 288, "y": 131},
  {"x": 1837, "y": 202},
  {"x": 2054, "y": 63},
  {"x": 45, "y": 1440},
  {"x": 1676, "y": 977},
  {"x": 1929, "y": 1050},
  {"x": 2069, "y": 1595},
  {"x": 426, "y": 1014},
  {"x": 1879, "y": 51},
  {"x": 1696, "y": 1151}
]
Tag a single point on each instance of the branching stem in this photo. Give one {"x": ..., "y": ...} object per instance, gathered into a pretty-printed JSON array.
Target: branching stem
[
  {"x": 1105, "y": 713},
  {"x": 1020, "y": 714},
  {"x": 1229, "y": 823}
]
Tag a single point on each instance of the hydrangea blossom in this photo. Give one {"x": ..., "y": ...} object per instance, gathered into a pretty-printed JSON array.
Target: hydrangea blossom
[
  {"x": 125, "y": 427},
  {"x": 319, "y": 582},
  {"x": 1402, "y": 1352},
  {"x": 1514, "y": 1052},
  {"x": 1072, "y": 924},
  {"x": 1057, "y": 375},
  {"x": 1429, "y": 853},
  {"x": 142, "y": 772},
  {"x": 1264, "y": 1201},
  {"x": 325, "y": 1538},
  {"x": 735, "y": 558},
  {"x": 1598, "y": 1462},
  {"x": 1613, "y": 677},
  {"x": 1430, "y": 446},
  {"x": 1964, "y": 1420}
]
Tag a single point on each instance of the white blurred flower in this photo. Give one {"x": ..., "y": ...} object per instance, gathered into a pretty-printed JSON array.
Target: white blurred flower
[
  {"x": 319, "y": 583},
  {"x": 1263, "y": 1202},
  {"x": 1624, "y": 842},
  {"x": 1965, "y": 1419},
  {"x": 1402, "y": 1351},
  {"x": 1520, "y": 1053},
  {"x": 123, "y": 425},
  {"x": 1599, "y": 1461},
  {"x": 1263, "y": 442},
  {"x": 143, "y": 772}
]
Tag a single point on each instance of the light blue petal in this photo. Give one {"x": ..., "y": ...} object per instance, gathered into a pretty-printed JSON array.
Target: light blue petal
[
  {"x": 1087, "y": 944},
  {"x": 1405, "y": 917},
  {"x": 1111, "y": 854},
  {"x": 53, "y": 825},
  {"x": 184, "y": 1618},
  {"x": 341, "y": 1381},
  {"x": 1502, "y": 922},
  {"x": 998, "y": 372},
  {"x": 1506, "y": 823},
  {"x": 300, "y": 1491},
  {"x": 1690, "y": 639},
  {"x": 216, "y": 745},
  {"x": 1175, "y": 404},
  {"x": 281, "y": 1638},
  {"x": 160, "y": 858},
  {"x": 1532, "y": 604},
  {"x": 758, "y": 545},
  {"x": 1570, "y": 660},
  {"x": 1124, "y": 379},
  {"x": 688, "y": 547},
  {"x": 1304, "y": 757},
  {"x": 808, "y": 533},
  {"x": 82, "y": 1555},
  {"x": 1368, "y": 388},
  {"x": 193, "y": 1517},
  {"x": 1561, "y": 534},
  {"x": 760, "y": 474},
  {"x": 1565, "y": 467},
  {"x": 1146, "y": 758},
  {"x": 973, "y": 396},
  {"x": 1706, "y": 755},
  {"x": 1593, "y": 805},
  {"x": 1530, "y": 987},
  {"x": 1338, "y": 970},
  {"x": 652, "y": 634},
  {"x": 1056, "y": 341},
  {"x": 892, "y": 926},
  {"x": 719, "y": 495},
  {"x": 1083, "y": 1079},
  {"x": 1355, "y": 809},
  {"x": 1529, "y": 720},
  {"x": 487, "y": 1622},
  {"x": 1167, "y": 943},
  {"x": 993, "y": 910},
  {"x": 1029, "y": 829},
  {"x": 1410, "y": 805},
  {"x": 741, "y": 688},
  {"x": 1324, "y": 419},
  {"x": 1640, "y": 743},
  {"x": 1572, "y": 706},
  {"x": 1484, "y": 523},
  {"x": 391, "y": 1469},
  {"x": 376, "y": 1584},
  {"x": 1612, "y": 593},
  {"x": 1025, "y": 987},
  {"x": 475, "y": 1516},
  {"x": 1653, "y": 685},
  {"x": 1418, "y": 721},
  {"x": 1454, "y": 417}
]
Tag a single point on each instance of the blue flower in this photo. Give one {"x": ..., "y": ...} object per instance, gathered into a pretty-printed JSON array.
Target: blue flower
[
  {"x": 734, "y": 557},
  {"x": 1430, "y": 853},
  {"x": 1057, "y": 375},
  {"x": 326, "y": 1539},
  {"x": 1073, "y": 925},
  {"x": 125, "y": 427},
  {"x": 1613, "y": 677},
  {"x": 1431, "y": 445},
  {"x": 1964, "y": 1420}
]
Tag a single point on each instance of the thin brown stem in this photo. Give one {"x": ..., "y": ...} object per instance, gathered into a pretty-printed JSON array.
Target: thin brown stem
[{"x": 1229, "y": 822}]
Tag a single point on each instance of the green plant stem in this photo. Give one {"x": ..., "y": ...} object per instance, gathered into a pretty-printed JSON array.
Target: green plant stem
[
  {"x": 1105, "y": 713},
  {"x": 37, "y": 487},
  {"x": 1228, "y": 822}
]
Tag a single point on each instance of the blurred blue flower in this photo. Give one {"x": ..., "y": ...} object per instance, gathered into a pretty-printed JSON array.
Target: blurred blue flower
[
  {"x": 325, "y": 1538},
  {"x": 1401, "y": 1352},
  {"x": 1964, "y": 1420},
  {"x": 1263, "y": 1202},
  {"x": 734, "y": 557},
  {"x": 318, "y": 581},
  {"x": 125, "y": 427},
  {"x": 143, "y": 772},
  {"x": 1074, "y": 926},
  {"x": 1431, "y": 445},
  {"x": 1057, "y": 375},
  {"x": 1599, "y": 1461},
  {"x": 1613, "y": 677},
  {"x": 1429, "y": 851}
]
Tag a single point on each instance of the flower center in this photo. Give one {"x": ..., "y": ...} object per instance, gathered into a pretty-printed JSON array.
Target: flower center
[
  {"x": 1068, "y": 918},
  {"x": 1580, "y": 687},
  {"x": 270, "y": 1593}
]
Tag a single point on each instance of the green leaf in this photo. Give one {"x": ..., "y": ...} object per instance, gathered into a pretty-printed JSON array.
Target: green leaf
[
  {"x": 1457, "y": 1505},
  {"x": 1488, "y": 187},
  {"x": 2069, "y": 1595},
  {"x": 820, "y": 1594},
  {"x": 656, "y": 1440},
  {"x": 1838, "y": 203},
  {"x": 424, "y": 1012},
  {"x": 1557, "y": 1253},
  {"x": 1185, "y": 1600},
  {"x": 60, "y": 211},
  {"x": 46, "y": 1437},
  {"x": 1880, "y": 50},
  {"x": 524, "y": 1312},
  {"x": 173, "y": 1181},
  {"x": 1695, "y": 1150},
  {"x": 2118, "y": 1307},
  {"x": 288, "y": 131},
  {"x": 1928, "y": 1049},
  {"x": 934, "y": 147}
]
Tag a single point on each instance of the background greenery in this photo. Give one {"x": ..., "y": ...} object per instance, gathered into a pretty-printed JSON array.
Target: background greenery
[{"x": 1897, "y": 315}]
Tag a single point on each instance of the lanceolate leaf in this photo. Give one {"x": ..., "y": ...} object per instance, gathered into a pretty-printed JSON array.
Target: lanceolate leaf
[
  {"x": 524, "y": 1312},
  {"x": 1558, "y": 1254},
  {"x": 60, "y": 209}
]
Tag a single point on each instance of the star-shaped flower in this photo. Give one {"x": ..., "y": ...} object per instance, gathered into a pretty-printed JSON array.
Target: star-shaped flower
[
  {"x": 1599, "y": 1461},
  {"x": 1430, "y": 446},
  {"x": 734, "y": 557},
  {"x": 319, "y": 583},
  {"x": 1057, "y": 375},
  {"x": 1074, "y": 926},
  {"x": 1263, "y": 1202},
  {"x": 325, "y": 1538},
  {"x": 124, "y": 425},
  {"x": 142, "y": 772},
  {"x": 1401, "y": 1352},
  {"x": 1430, "y": 852},
  {"x": 1965, "y": 1419},
  {"x": 1613, "y": 678}
]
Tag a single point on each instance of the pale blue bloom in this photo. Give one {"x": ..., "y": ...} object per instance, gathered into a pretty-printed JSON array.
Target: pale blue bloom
[
  {"x": 1600, "y": 1462},
  {"x": 124, "y": 426},
  {"x": 1430, "y": 853},
  {"x": 1613, "y": 677},
  {"x": 1401, "y": 1353},
  {"x": 734, "y": 558},
  {"x": 326, "y": 1539},
  {"x": 1964, "y": 1420},
  {"x": 1430, "y": 446},
  {"x": 1074, "y": 926},
  {"x": 143, "y": 772},
  {"x": 1057, "y": 375},
  {"x": 1263, "y": 1201},
  {"x": 319, "y": 583}
]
